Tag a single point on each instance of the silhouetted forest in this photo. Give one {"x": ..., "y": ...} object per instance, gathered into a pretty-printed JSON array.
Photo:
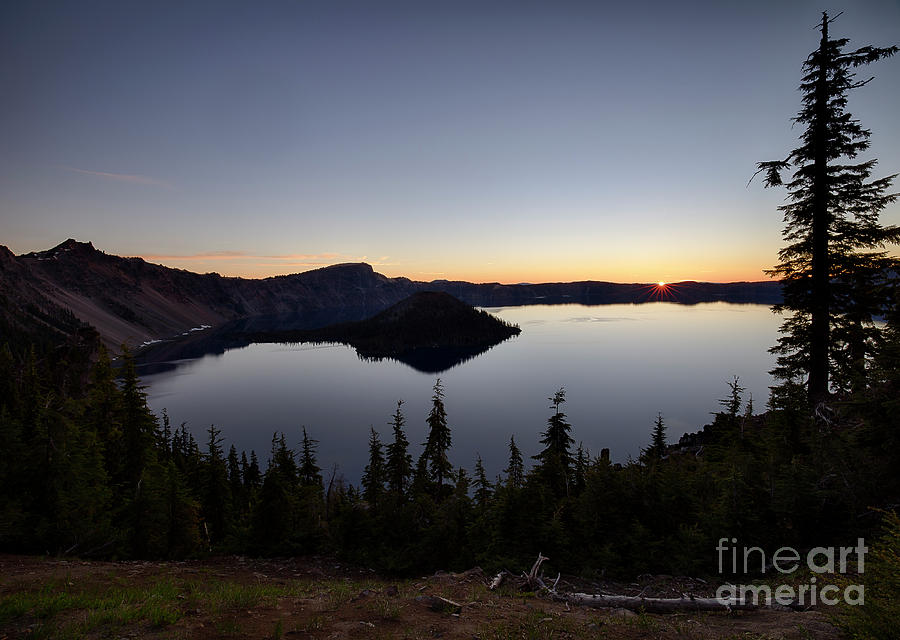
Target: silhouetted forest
[{"x": 89, "y": 470}]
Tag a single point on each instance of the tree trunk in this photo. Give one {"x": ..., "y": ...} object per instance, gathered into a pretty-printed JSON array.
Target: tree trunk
[
  {"x": 656, "y": 605},
  {"x": 818, "y": 347}
]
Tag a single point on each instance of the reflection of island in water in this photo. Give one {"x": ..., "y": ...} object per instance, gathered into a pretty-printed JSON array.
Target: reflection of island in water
[{"x": 429, "y": 331}]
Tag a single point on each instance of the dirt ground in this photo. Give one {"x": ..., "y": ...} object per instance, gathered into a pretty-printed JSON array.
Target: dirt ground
[{"x": 320, "y": 598}]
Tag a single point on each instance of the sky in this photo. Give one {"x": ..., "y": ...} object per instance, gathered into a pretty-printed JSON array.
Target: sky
[{"x": 484, "y": 141}]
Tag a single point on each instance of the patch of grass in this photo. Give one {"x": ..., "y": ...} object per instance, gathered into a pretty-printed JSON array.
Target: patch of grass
[
  {"x": 682, "y": 628},
  {"x": 224, "y": 596},
  {"x": 315, "y": 623},
  {"x": 535, "y": 625},
  {"x": 805, "y": 633},
  {"x": 229, "y": 628},
  {"x": 639, "y": 619},
  {"x": 647, "y": 622},
  {"x": 386, "y": 608},
  {"x": 63, "y": 609},
  {"x": 340, "y": 592}
]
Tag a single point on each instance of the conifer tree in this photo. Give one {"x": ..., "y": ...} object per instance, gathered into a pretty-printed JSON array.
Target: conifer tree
[
  {"x": 732, "y": 402},
  {"x": 657, "y": 448},
  {"x": 276, "y": 515},
  {"x": 555, "y": 461},
  {"x": 165, "y": 438},
  {"x": 834, "y": 266},
  {"x": 483, "y": 488},
  {"x": 373, "y": 475},
  {"x": 439, "y": 440},
  {"x": 217, "y": 499},
  {"x": 582, "y": 459},
  {"x": 235, "y": 481},
  {"x": 515, "y": 470},
  {"x": 139, "y": 425},
  {"x": 311, "y": 497},
  {"x": 182, "y": 515},
  {"x": 103, "y": 414},
  {"x": 252, "y": 476},
  {"x": 310, "y": 475},
  {"x": 250, "y": 480},
  {"x": 398, "y": 465}
]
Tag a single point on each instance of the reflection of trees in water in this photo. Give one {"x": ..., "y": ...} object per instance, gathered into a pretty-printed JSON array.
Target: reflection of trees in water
[
  {"x": 169, "y": 355},
  {"x": 433, "y": 359}
]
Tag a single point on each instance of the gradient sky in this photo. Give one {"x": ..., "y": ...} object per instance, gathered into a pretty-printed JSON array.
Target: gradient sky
[{"x": 509, "y": 141}]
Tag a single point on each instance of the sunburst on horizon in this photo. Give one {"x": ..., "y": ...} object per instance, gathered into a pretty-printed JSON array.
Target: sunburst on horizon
[{"x": 661, "y": 291}]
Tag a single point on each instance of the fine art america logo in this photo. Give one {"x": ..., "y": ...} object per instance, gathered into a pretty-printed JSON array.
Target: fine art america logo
[{"x": 787, "y": 560}]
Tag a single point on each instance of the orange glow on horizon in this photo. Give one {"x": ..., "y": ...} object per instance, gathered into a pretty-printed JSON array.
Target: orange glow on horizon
[
  {"x": 508, "y": 267},
  {"x": 254, "y": 267}
]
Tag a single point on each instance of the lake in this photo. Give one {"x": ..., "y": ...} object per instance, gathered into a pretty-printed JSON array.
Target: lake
[{"x": 619, "y": 364}]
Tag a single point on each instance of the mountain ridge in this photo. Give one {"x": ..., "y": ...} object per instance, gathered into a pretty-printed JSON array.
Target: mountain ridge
[{"x": 129, "y": 300}]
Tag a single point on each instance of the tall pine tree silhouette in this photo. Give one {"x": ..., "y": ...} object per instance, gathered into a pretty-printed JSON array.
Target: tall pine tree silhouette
[
  {"x": 555, "y": 461},
  {"x": 398, "y": 465},
  {"x": 439, "y": 440},
  {"x": 834, "y": 262}
]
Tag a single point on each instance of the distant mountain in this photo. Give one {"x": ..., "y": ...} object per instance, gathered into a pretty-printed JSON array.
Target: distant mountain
[
  {"x": 431, "y": 330},
  {"x": 130, "y": 300}
]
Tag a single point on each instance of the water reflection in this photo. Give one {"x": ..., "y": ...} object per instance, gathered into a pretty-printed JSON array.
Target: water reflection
[
  {"x": 620, "y": 364},
  {"x": 166, "y": 356}
]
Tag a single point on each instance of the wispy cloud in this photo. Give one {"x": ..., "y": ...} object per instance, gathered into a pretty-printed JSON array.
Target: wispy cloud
[
  {"x": 212, "y": 255},
  {"x": 131, "y": 178},
  {"x": 286, "y": 259},
  {"x": 306, "y": 257}
]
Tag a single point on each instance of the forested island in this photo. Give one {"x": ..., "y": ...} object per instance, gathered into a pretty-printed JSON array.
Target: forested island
[{"x": 430, "y": 330}]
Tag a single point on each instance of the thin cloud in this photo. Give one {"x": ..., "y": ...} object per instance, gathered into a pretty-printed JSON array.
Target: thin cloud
[
  {"x": 286, "y": 259},
  {"x": 131, "y": 178},
  {"x": 305, "y": 256},
  {"x": 212, "y": 255},
  {"x": 280, "y": 265}
]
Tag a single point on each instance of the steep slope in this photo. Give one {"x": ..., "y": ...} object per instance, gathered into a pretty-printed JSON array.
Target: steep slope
[
  {"x": 28, "y": 316},
  {"x": 127, "y": 299}
]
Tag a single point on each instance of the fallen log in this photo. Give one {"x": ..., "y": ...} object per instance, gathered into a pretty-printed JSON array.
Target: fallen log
[
  {"x": 656, "y": 605},
  {"x": 499, "y": 579}
]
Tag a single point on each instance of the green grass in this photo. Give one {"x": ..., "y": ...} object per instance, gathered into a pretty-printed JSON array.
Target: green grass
[
  {"x": 536, "y": 625},
  {"x": 60, "y": 609},
  {"x": 385, "y": 607}
]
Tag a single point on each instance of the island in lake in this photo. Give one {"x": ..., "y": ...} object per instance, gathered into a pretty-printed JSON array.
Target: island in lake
[{"x": 430, "y": 331}]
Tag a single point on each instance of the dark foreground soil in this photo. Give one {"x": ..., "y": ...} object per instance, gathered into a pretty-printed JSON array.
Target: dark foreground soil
[{"x": 320, "y": 598}]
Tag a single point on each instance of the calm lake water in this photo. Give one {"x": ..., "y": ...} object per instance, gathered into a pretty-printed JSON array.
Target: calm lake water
[{"x": 619, "y": 364}]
